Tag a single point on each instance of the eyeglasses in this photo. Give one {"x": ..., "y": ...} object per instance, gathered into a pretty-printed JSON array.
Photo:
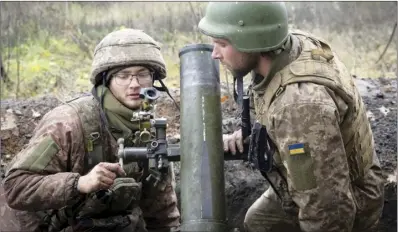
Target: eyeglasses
[{"x": 126, "y": 78}]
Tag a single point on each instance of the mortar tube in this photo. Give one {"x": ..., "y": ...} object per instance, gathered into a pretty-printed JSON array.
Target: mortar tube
[{"x": 203, "y": 204}]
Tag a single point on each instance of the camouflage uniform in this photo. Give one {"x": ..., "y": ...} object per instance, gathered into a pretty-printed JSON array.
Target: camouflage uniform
[
  {"x": 331, "y": 178},
  {"x": 41, "y": 180},
  {"x": 326, "y": 174}
]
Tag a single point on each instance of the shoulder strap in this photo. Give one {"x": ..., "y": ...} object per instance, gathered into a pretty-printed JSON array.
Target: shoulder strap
[
  {"x": 323, "y": 49},
  {"x": 310, "y": 67},
  {"x": 316, "y": 64},
  {"x": 274, "y": 89},
  {"x": 87, "y": 108}
]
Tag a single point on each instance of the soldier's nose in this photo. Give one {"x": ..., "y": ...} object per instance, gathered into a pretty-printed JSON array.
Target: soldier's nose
[
  {"x": 134, "y": 83},
  {"x": 215, "y": 54}
]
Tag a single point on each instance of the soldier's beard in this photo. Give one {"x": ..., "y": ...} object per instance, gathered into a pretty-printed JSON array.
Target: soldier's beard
[{"x": 247, "y": 64}]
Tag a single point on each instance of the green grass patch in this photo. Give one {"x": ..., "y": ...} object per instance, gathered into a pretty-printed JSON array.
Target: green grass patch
[{"x": 50, "y": 59}]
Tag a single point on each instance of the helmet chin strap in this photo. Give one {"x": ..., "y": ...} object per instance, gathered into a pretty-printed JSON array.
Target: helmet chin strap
[
  {"x": 164, "y": 88},
  {"x": 238, "y": 93},
  {"x": 279, "y": 59}
]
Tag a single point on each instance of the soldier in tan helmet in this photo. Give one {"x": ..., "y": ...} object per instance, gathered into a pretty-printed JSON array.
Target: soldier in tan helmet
[
  {"x": 326, "y": 174},
  {"x": 68, "y": 177}
]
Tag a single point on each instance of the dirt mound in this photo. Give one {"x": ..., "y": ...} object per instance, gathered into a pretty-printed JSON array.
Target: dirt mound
[
  {"x": 243, "y": 185},
  {"x": 380, "y": 99}
]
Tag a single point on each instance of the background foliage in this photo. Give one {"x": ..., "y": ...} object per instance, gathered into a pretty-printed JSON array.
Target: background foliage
[{"x": 47, "y": 46}]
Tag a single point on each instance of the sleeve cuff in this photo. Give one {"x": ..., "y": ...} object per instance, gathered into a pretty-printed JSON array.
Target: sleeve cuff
[{"x": 72, "y": 194}]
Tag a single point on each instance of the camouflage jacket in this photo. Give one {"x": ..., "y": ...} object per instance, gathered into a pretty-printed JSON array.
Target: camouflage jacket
[
  {"x": 31, "y": 186},
  {"x": 331, "y": 177}
]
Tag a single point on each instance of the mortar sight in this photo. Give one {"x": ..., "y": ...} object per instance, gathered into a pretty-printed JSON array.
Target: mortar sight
[{"x": 150, "y": 94}]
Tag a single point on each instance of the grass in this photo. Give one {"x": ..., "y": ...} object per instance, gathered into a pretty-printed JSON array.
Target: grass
[
  {"x": 360, "y": 54},
  {"x": 53, "y": 62}
]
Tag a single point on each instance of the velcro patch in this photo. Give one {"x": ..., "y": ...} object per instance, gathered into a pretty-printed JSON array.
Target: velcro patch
[
  {"x": 296, "y": 149},
  {"x": 38, "y": 155}
]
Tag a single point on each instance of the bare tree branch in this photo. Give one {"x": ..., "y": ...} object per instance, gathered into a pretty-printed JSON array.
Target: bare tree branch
[
  {"x": 18, "y": 53},
  {"x": 194, "y": 13},
  {"x": 389, "y": 42}
]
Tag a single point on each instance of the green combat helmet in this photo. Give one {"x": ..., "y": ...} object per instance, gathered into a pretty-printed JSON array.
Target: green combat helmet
[
  {"x": 248, "y": 26},
  {"x": 127, "y": 47}
]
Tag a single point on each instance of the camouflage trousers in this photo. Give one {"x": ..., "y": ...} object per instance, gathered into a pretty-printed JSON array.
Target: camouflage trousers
[{"x": 267, "y": 215}]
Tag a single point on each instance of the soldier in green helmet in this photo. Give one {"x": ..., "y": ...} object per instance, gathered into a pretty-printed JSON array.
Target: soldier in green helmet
[
  {"x": 326, "y": 174},
  {"x": 68, "y": 177}
]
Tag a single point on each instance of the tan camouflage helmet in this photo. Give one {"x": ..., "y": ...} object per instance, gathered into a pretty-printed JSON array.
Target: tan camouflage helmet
[{"x": 127, "y": 47}]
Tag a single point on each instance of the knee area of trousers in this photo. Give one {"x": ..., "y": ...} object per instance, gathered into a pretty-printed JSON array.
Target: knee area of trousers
[{"x": 249, "y": 216}]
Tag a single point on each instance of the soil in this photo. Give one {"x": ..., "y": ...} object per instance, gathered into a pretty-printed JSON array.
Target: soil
[{"x": 243, "y": 184}]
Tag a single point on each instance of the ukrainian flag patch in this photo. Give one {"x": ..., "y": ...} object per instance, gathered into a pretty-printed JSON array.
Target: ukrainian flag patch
[{"x": 296, "y": 149}]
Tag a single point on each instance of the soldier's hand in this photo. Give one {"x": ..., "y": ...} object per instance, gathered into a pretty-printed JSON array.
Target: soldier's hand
[
  {"x": 100, "y": 177},
  {"x": 233, "y": 141}
]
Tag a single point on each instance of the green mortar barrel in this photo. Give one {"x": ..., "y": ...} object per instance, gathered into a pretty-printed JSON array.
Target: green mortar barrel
[{"x": 203, "y": 204}]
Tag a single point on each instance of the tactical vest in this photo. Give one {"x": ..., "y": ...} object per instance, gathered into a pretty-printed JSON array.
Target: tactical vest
[
  {"x": 102, "y": 210},
  {"x": 95, "y": 135},
  {"x": 88, "y": 110},
  {"x": 317, "y": 64}
]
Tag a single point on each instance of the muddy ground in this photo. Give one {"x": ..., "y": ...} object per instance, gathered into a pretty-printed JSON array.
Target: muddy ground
[{"x": 243, "y": 185}]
